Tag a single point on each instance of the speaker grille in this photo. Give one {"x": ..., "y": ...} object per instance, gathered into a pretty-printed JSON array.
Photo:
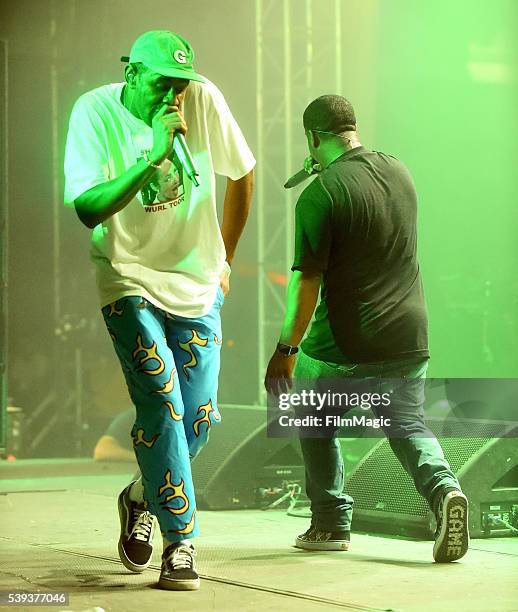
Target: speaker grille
[
  {"x": 380, "y": 482},
  {"x": 237, "y": 423}
]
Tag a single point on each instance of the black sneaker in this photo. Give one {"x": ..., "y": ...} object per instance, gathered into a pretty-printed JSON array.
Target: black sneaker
[
  {"x": 136, "y": 536},
  {"x": 178, "y": 571},
  {"x": 452, "y": 535},
  {"x": 316, "y": 539}
]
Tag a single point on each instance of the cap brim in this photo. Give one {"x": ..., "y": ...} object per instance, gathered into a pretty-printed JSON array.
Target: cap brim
[
  {"x": 177, "y": 73},
  {"x": 172, "y": 72}
]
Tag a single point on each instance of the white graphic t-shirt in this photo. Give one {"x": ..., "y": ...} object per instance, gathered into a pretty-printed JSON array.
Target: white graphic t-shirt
[{"x": 166, "y": 244}]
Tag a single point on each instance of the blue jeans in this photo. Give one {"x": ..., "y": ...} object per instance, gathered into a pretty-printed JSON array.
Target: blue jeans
[
  {"x": 171, "y": 365},
  {"x": 412, "y": 442}
]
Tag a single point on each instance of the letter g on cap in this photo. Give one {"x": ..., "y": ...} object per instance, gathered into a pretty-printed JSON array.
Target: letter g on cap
[{"x": 179, "y": 56}]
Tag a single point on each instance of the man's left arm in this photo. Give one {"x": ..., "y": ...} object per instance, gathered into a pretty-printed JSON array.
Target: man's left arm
[
  {"x": 302, "y": 297},
  {"x": 236, "y": 207}
]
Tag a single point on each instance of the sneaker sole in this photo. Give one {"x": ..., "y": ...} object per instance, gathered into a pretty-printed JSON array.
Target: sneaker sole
[
  {"x": 123, "y": 518},
  {"x": 328, "y": 545},
  {"x": 452, "y": 541},
  {"x": 179, "y": 585}
]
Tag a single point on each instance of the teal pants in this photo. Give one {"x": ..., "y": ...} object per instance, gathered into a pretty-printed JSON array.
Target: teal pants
[
  {"x": 171, "y": 365},
  {"x": 412, "y": 442}
]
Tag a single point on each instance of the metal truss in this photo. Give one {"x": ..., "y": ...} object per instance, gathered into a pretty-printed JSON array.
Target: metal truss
[
  {"x": 298, "y": 56},
  {"x": 3, "y": 245}
]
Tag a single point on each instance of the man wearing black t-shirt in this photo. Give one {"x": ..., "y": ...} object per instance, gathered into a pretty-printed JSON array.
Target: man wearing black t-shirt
[{"x": 356, "y": 241}]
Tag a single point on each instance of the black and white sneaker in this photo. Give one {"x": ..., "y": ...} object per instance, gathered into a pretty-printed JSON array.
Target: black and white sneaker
[
  {"x": 178, "y": 571},
  {"x": 136, "y": 536},
  {"x": 316, "y": 539},
  {"x": 452, "y": 535}
]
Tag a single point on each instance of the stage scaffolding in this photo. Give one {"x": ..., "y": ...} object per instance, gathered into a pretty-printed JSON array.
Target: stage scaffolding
[
  {"x": 295, "y": 55},
  {"x": 3, "y": 245}
]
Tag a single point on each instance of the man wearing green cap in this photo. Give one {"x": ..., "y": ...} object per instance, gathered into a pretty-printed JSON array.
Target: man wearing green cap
[{"x": 162, "y": 264}]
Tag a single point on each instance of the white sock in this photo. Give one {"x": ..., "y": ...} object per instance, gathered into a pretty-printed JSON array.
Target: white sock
[
  {"x": 166, "y": 543},
  {"x": 136, "y": 492}
]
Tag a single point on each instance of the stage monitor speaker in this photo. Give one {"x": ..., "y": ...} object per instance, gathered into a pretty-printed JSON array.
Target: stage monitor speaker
[
  {"x": 385, "y": 499},
  {"x": 240, "y": 461}
]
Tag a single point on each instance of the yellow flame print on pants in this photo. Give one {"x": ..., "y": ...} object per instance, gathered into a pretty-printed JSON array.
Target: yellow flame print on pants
[
  {"x": 206, "y": 409},
  {"x": 178, "y": 492},
  {"x": 114, "y": 311},
  {"x": 188, "y": 527},
  {"x": 187, "y": 347},
  {"x": 141, "y": 440},
  {"x": 169, "y": 385},
  {"x": 150, "y": 353},
  {"x": 174, "y": 415}
]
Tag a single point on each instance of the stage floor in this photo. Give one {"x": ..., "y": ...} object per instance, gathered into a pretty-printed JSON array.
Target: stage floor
[{"x": 59, "y": 531}]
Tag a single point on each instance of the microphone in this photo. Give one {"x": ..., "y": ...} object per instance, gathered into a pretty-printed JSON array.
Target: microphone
[
  {"x": 184, "y": 155},
  {"x": 300, "y": 176}
]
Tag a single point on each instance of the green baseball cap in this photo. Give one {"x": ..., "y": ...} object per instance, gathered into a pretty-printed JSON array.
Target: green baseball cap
[{"x": 165, "y": 53}]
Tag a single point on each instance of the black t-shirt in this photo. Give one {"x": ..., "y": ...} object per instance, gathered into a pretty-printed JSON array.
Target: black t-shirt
[{"x": 356, "y": 223}]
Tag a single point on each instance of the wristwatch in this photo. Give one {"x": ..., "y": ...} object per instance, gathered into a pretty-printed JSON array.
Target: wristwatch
[{"x": 287, "y": 349}]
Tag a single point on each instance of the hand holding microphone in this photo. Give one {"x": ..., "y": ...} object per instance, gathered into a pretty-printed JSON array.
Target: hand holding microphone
[
  {"x": 310, "y": 167},
  {"x": 169, "y": 128},
  {"x": 165, "y": 123}
]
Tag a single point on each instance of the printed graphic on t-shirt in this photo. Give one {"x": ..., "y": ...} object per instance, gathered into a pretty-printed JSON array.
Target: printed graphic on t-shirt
[{"x": 166, "y": 188}]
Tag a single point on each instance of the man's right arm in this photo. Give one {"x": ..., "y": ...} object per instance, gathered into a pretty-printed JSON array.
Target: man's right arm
[
  {"x": 102, "y": 201},
  {"x": 106, "y": 199}
]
